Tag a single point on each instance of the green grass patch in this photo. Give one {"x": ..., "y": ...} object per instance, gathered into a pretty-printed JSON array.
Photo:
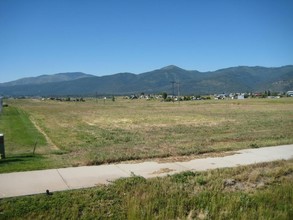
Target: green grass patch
[
  {"x": 19, "y": 133},
  {"x": 23, "y": 142},
  {"x": 24, "y": 162}
]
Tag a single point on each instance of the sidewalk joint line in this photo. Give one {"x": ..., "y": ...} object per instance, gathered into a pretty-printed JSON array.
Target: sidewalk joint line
[
  {"x": 124, "y": 171},
  {"x": 178, "y": 163},
  {"x": 62, "y": 178}
]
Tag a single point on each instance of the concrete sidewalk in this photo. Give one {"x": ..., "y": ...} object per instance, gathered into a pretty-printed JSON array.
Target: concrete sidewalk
[{"x": 34, "y": 182}]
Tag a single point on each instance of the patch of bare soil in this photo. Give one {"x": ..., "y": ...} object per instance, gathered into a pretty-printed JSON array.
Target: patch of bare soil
[
  {"x": 184, "y": 158},
  {"x": 259, "y": 183},
  {"x": 162, "y": 170},
  {"x": 193, "y": 156},
  {"x": 233, "y": 185}
]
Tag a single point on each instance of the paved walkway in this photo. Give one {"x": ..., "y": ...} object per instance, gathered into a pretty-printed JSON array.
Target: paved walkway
[{"x": 34, "y": 182}]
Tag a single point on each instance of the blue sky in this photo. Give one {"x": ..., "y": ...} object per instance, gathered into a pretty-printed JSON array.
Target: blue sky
[{"x": 103, "y": 37}]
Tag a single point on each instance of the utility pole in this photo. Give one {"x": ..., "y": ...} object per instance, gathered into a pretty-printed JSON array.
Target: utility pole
[
  {"x": 178, "y": 91},
  {"x": 173, "y": 93}
]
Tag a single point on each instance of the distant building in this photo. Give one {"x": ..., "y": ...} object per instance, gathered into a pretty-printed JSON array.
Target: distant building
[
  {"x": 240, "y": 96},
  {"x": 290, "y": 93},
  {"x": 220, "y": 96}
]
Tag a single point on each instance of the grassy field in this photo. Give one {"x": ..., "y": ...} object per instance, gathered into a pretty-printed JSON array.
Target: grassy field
[
  {"x": 262, "y": 191},
  {"x": 86, "y": 133},
  {"x": 82, "y": 133}
]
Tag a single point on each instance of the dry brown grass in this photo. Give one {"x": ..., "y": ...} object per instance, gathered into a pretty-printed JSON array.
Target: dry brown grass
[{"x": 91, "y": 133}]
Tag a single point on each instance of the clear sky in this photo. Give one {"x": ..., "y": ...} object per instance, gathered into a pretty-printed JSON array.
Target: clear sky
[{"x": 103, "y": 37}]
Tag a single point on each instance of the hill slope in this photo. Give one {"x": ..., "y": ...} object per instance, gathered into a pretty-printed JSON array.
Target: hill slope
[
  {"x": 59, "y": 77},
  {"x": 234, "y": 79}
]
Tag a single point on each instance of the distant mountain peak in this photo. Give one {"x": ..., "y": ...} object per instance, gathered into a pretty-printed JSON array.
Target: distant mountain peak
[
  {"x": 69, "y": 74},
  {"x": 170, "y": 67}
]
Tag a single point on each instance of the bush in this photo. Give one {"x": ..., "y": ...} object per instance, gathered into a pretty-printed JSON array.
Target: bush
[{"x": 183, "y": 177}]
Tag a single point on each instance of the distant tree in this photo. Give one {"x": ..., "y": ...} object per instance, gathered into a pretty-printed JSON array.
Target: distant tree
[
  {"x": 113, "y": 98},
  {"x": 274, "y": 93},
  {"x": 164, "y": 95}
]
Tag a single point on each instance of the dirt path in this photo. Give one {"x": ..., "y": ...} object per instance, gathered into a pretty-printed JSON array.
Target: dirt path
[{"x": 49, "y": 141}]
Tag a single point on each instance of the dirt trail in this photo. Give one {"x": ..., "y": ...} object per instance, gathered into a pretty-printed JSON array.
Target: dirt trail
[{"x": 49, "y": 141}]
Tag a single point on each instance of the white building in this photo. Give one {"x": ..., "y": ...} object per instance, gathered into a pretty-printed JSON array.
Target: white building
[{"x": 240, "y": 96}]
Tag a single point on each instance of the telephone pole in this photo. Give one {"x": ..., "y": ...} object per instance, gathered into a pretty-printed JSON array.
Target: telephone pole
[
  {"x": 178, "y": 91},
  {"x": 173, "y": 93}
]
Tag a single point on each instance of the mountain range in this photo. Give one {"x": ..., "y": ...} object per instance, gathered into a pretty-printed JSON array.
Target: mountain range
[{"x": 166, "y": 79}]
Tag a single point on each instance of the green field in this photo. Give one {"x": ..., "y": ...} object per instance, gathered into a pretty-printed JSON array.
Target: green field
[
  {"x": 86, "y": 133},
  {"x": 262, "y": 191}
]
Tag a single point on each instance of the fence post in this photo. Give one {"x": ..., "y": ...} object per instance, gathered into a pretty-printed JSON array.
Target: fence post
[
  {"x": 2, "y": 149},
  {"x": 1, "y": 104}
]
